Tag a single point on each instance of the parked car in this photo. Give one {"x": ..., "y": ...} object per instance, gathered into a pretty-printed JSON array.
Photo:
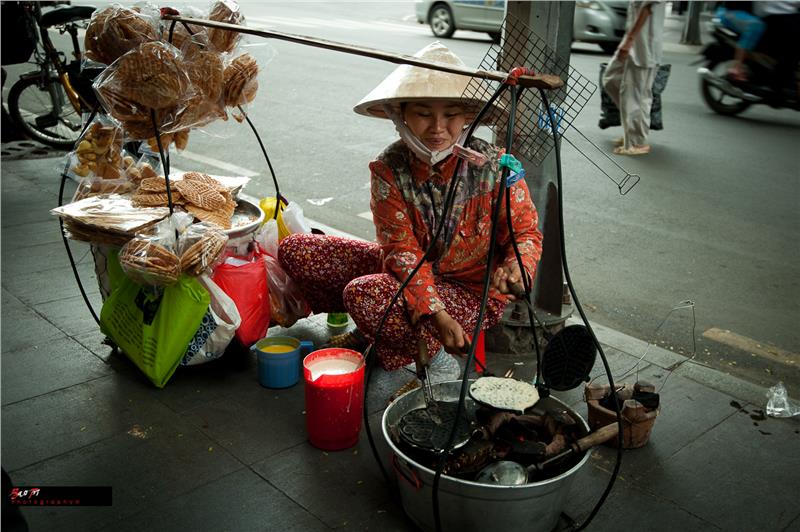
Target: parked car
[{"x": 596, "y": 21}]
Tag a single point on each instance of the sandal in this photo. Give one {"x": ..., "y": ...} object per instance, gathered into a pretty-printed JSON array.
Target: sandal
[
  {"x": 633, "y": 150},
  {"x": 354, "y": 340},
  {"x": 619, "y": 141}
]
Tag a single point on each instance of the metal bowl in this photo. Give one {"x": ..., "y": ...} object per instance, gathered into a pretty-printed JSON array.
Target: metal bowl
[{"x": 247, "y": 218}]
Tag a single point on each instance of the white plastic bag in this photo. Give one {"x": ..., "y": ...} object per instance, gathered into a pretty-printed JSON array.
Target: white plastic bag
[
  {"x": 294, "y": 220},
  {"x": 267, "y": 237},
  {"x": 212, "y": 339}
]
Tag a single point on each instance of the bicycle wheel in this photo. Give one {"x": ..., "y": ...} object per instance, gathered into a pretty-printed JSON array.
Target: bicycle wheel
[{"x": 44, "y": 112}]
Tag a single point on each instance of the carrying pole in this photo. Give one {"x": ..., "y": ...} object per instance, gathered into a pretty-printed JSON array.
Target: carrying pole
[{"x": 539, "y": 81}]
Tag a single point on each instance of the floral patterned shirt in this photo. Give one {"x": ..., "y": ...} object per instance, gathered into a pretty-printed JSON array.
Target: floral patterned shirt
[{"x": 407, "y": 199}]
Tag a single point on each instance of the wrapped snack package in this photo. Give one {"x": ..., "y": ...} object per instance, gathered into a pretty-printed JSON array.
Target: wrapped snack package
[
  {"x": 116, "y": 30},
  {"x": 150, "y": 77},
  {"x": 149, "y": 258},
  {"x": 147, "y": 166},
  {"x": 225, "y": 11},
  {"x": 147, "y": 262},
  {"x": 98, "y": 151},
  {"x": 241, "y": 83},
  {"x": 200, "y": 248},
  {"x": 205, "y": 70}
]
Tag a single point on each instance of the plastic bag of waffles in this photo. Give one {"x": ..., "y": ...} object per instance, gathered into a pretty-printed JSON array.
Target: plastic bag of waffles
[
  {"x": 200, "y": 248},
  {"x": 149, "y": 258},
  {"x": 116, "y": 30},
  {"x": 145, "y": 89}
]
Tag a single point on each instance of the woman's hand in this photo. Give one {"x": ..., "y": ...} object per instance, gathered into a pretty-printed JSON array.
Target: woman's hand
[
  {"x": 505, "y": 277},
  {"x": 454, "y": 340}
]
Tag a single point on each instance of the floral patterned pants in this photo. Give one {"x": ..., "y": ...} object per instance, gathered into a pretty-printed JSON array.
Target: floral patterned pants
[{"x": 338, "y": 274}]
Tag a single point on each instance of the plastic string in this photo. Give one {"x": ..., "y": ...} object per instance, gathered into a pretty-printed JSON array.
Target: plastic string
[
  {"x": 164, "y": 162},
  {"x": 576, "y": 301},
  {"x": 64, "y": 178},
  {"x": 497, "y": 204},
  {"x": 687, "y": 304},
  {"x": 278, "y": 198},
  {"x": 682, "y": 305}
]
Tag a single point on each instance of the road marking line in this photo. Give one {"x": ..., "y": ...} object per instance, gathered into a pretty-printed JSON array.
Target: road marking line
[
  {"x": 278, "y": 21},
  {"x": 744, "y": 343},
  {"x": 328, "y": 230},
  {"x": 228, "y": 167},
  {"x": 366, "y": 215}
]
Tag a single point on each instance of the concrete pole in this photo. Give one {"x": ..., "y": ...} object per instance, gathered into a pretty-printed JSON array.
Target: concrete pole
[
  {"x": 511, "y": 340},
  {"x": 552, "y": 22}
]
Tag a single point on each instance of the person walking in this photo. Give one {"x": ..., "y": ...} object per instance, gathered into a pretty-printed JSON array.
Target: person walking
[
  {"x": 630, "y": 74},
  {"x": 409, "y": 182}
]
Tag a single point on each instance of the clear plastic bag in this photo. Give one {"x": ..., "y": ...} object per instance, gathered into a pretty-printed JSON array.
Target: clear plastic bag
[
  {"x": 98, "y": 153},
  {"x": 287, "y": 304},
  {"x": 200, "y": 248},
  {"x": 116, "y": 30},
  {"x": 150, "y": 257},
  {"x": 240, "y": 84},
  {"x": 778, "y": 403},
  {"x": 149, "y": 262},
  {"x": 149, "y": 81},
  {"x": 225, "y": 11}
]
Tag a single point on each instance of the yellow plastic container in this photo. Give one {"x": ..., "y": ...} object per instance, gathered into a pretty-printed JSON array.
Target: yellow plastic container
[{"x": 268, "y": 206}]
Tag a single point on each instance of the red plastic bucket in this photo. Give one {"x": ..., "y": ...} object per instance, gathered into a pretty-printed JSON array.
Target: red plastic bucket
[{"x": 334, "y": 387}]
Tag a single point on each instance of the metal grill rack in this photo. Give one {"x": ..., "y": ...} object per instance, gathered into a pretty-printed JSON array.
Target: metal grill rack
[{"x": 532, "y": 133}]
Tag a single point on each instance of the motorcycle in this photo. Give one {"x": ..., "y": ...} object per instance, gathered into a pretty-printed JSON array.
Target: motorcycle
[{"x": 730, "y": 97}]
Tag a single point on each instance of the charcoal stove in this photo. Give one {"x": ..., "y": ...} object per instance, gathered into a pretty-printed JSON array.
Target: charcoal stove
[{"x": 466, "y": 505}]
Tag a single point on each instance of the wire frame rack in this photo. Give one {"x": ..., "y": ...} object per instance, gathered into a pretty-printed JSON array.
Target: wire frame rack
[{"x": 532, "y": 127}]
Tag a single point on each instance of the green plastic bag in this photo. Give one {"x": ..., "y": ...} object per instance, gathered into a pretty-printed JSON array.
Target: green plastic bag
[{"x": 154, "y": 325}]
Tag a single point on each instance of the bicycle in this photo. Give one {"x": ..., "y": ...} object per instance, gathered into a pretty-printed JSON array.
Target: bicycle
[{"x": 47, "y": 104}]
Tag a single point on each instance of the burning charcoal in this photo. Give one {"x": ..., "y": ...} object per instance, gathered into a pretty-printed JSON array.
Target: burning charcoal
[{"x": 558, "y": 444}]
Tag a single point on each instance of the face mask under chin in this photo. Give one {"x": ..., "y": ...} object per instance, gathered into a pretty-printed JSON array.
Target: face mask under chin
[{"x": 414, "y": 143}]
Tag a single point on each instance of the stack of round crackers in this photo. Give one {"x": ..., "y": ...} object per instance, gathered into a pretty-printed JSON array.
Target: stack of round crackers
[
  {"x": 199, "y": 194},
  {"x": 203, "y": 253},
  {"x": 147, "y": 262}
]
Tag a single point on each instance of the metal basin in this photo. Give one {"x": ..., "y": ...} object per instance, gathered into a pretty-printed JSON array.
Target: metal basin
[
  {"x": 246, "y": 218},
  {"x": 468, "y": 506}
]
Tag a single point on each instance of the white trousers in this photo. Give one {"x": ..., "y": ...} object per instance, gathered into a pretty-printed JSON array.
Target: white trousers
[{"x": 631, "y": 88}]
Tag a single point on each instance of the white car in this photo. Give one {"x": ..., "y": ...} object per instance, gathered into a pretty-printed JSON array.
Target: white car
[{"x": 597, "y": 21}]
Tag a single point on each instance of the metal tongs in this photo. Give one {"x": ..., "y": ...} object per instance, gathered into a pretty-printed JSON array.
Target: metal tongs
[{"x": 422, "y": 362}]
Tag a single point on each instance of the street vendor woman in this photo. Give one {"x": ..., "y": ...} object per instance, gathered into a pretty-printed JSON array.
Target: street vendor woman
[{"x": 409, "y": 182}]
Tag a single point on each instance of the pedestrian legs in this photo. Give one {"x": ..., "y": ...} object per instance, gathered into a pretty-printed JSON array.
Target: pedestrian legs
[{"x": 636, "y": 100}]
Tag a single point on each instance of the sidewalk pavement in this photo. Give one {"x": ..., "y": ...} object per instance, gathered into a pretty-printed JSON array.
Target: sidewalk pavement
[{"x": 214, "y": 450}]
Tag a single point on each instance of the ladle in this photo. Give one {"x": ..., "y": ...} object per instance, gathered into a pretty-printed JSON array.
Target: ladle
[{"x": 508, "y": 473}]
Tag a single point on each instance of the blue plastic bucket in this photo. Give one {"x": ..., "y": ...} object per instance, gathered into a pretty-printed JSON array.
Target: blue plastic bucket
[{"x": 279, "y": 360}]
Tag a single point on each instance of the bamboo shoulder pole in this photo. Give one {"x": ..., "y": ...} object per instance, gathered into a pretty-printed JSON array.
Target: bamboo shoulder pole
[{"x": 542, "y": 81}]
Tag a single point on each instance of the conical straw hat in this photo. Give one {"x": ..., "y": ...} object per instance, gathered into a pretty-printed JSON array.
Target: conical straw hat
[{"x": 411, "y": 83}]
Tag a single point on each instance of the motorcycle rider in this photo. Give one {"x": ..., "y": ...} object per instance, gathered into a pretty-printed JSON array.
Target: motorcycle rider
[
  {"x": 739, "y": 17},
  {"x": 780, "y": 40}
]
